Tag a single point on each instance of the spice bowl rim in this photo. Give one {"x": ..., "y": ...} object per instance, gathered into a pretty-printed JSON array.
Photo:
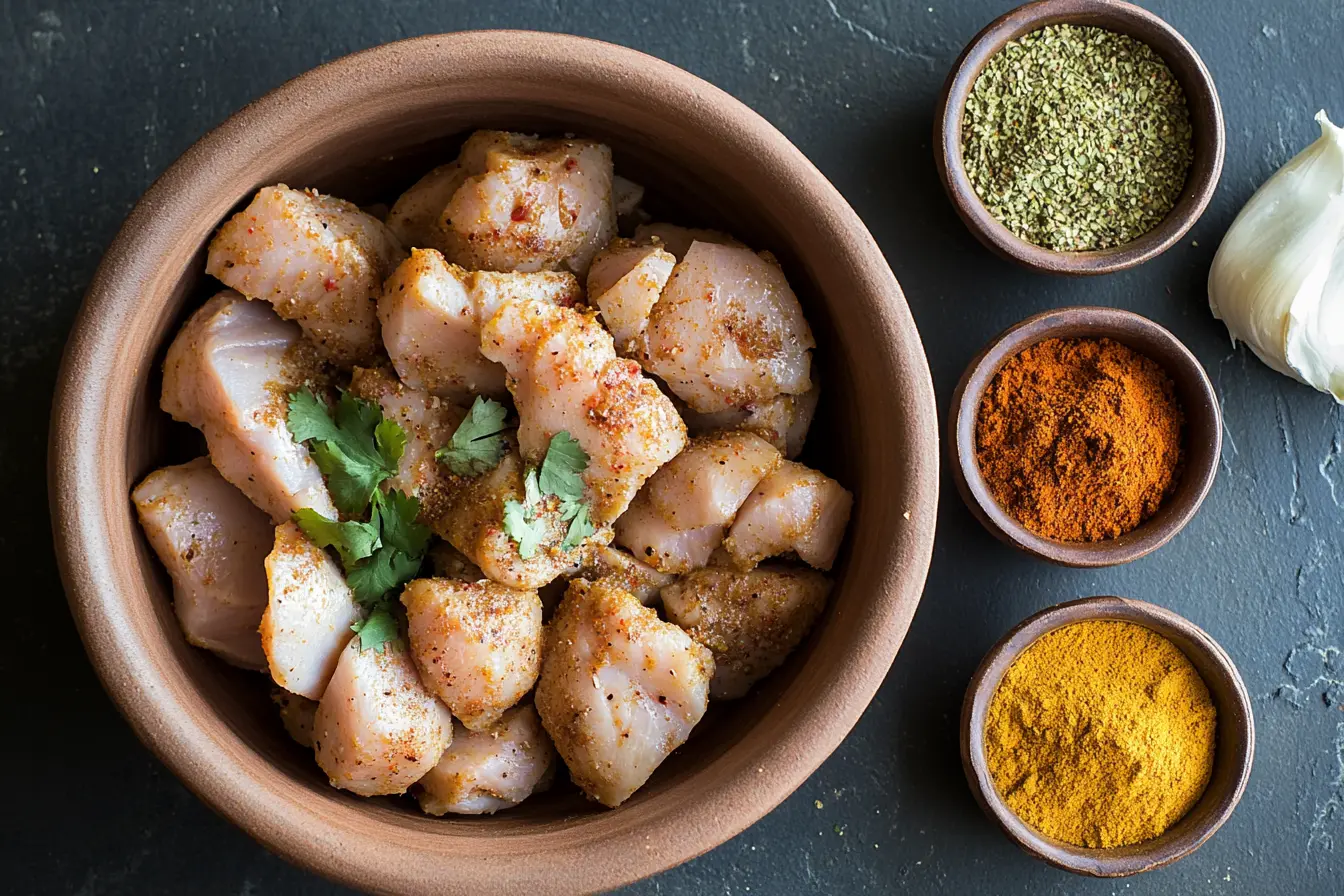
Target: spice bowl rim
[
  {"x": 1235, "y": 729},
  {"x": 1202, "y": 437},
  {"x": 1206, "y": 118}
]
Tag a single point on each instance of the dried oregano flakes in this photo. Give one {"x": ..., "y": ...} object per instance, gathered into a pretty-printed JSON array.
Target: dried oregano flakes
[{"x": 1077, "y": 138}]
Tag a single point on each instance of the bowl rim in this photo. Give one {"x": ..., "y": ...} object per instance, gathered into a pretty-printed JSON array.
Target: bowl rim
[
  {"x": 253, "y": 792},
  {"x": 1206, "y": 115},
  {"x": 1100, "y": 322},
  {"x": 1178, "y": 841}
]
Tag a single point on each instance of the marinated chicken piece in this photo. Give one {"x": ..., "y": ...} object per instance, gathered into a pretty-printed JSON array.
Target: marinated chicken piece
[
  {"x": 565, "y": 377},
  {"x": 793, "y": 509},
  {"x": 750, "y": 620},
  {"x": 482, "y": 772},
  {"x": 783, "y": 421},
  {"x": 619, "y": 690},
  {"x": 416, "y": 220},
  {"x": 308, "y": 619},
  {"x": 318, "y": 259},
  {"x": 706, "y": 483},
  {"x": 296, "y": 714},
  {"x": 624, "y": 284},
  {"x": 432, "y": 313},
  {"x": 626, "y": 195},
  {"x": 429, "y": 423},
  {"x": 677, "y": 239},
  {"x": 728, "y": 331},
  {"x": 529, "y": 204},
  {"x": 652, "y": 539},
  {"x": 450, "y": 563},
  {"x": 625, "y": 571},
  {"x": 228, "y": 373},
  {"x": 477, "y": 645},
  {"x": 212, "y": 541},
  {"x": 473, "y": 522},
  {"x": 378, "y": 730}
]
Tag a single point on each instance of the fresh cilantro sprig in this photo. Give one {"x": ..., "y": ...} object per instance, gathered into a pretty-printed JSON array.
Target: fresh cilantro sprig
[
  {"x": 478, "y": 444},
  {"x": 561, "y": 475},
  {"x": 354, "y": 447}
]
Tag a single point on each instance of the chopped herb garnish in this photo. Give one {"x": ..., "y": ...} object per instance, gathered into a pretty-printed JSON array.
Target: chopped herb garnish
[
  {"x": 357, "y": 449},
  {"x": 478, "y": 444},
  {"x": 561, "y": 475},
  {"x": 378, "y": 628},
  {"x": 354, "y": 447},
  {"x": 562, "y": 469},
  {"x": 353, "y": 540}
]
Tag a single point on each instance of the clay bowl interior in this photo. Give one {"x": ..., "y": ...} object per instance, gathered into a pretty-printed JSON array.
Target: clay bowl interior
[
  {"x": 1206, "y": 120},
  {"x": 1234, "y": 749},
  {"x": 1203, "y": 435},
  {"x": 364, "y": 128}
]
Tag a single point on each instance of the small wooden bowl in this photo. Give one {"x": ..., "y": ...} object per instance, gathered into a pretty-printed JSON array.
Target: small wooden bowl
[
  {"x": 1206, "y": 120},
  {"x": 1203, "y": 432},
  {"x": 1234, "y": 751}
]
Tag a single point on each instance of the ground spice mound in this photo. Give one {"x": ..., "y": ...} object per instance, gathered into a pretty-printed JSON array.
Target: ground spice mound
[
  {"x": 1101, "y": 734},
  {"x": 1080, "y": 439}
]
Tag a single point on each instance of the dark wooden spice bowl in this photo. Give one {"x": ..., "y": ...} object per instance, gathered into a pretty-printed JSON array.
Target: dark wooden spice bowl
[
  {"x": 1206, "y": 120},
  {"x": 1202, "y": 441},
  {"x": 1234, "y": 750}
]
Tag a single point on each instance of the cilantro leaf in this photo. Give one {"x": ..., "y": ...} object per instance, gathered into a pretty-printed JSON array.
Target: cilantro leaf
[
  {"x": 385, "y": 571},
  {"x": 354, "y": 447},
  {"x": 478, "y": 443},
  {"x": 378, "y": 628},
  {"x": 580, "y": 527},
  {"x": 352, "y": 540},
  {"x": 394, "y": 513},
  {"x": 562, "y": 469},
  {"x": 521, "y": 525}
]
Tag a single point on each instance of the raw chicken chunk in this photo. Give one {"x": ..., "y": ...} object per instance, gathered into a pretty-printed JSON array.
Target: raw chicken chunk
[
  {"x": 624, "y": 283},
  {"x": 318, "y": 259},
  {"x": 728, "y": 331},
  {"x": 432, "y": 313},
  {"x": 750, "y": 620},
  {"x": 477, "y": 645},
  {"x": 473, "y": 522},
  {"x": 619, "y": 690},
  {"x": 652, "y": 539},
  {"x": 429, "y": 424},
  {"x": 296, "y": 714},
  {"x": 677, "y": 239},
  {"x": 416, "y": 219},
  {"x": 308, "y": 619},
  {"x": 782, "y": 421},
  {"x": 529, "y": 204},
  {"x": 212, "y": 541},
  {"x": 625, "y": 571},
  {"x": 565, "y": 377},
  {"x": 482, "y": 772},
  {"x": 706, "y": 483},
  {"x": 228, "y": 373},
  {"x": 793, "y": 509},
  {"x": 378, "y": 730}
]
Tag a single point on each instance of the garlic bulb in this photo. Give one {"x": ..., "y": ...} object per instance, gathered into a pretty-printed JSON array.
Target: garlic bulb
[{"x": 1278, "y": 278}]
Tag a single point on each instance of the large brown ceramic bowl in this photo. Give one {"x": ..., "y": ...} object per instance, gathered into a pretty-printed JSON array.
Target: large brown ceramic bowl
[{"x": 364, "y": 127}]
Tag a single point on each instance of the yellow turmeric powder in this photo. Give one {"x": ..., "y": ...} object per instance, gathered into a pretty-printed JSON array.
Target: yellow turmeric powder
[{"x": 1101, "y": 734}]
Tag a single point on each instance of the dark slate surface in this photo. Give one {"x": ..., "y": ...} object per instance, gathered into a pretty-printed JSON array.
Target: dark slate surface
[{"x": 98, "y": 98}]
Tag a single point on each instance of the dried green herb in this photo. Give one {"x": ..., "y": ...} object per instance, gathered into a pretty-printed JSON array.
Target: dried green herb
[{"x": 1077, "y": 138}]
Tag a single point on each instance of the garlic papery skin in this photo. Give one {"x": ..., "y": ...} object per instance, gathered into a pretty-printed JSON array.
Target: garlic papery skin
[{"x": 1278, "y": 278}]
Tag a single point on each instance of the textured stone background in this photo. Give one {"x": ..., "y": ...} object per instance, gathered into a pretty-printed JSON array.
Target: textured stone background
[{"x": 99, "y": 98}]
